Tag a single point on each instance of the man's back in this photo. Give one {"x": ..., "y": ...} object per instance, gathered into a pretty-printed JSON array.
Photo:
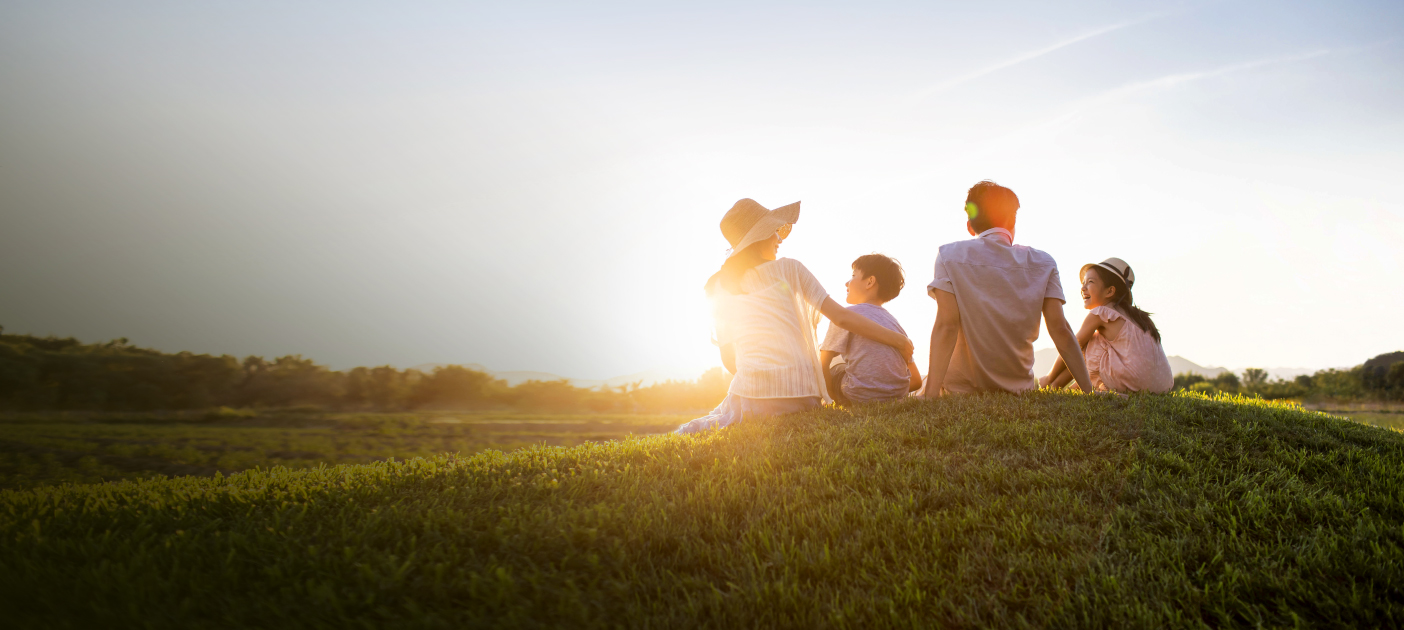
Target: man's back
[{"x": 999, "y": 288}]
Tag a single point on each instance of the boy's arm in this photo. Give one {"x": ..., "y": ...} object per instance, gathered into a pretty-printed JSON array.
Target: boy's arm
[
  {"x": 1068, "y": 347},
  {"x": 914, "y": 377},
  {"x": 855, "y": 323},
  {"x": 943, "y": 341}
]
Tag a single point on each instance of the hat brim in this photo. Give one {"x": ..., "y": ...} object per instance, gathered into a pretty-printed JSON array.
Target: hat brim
[
  {"x": 1082, "y": 273},
  {"x": 767, "y": 225}
]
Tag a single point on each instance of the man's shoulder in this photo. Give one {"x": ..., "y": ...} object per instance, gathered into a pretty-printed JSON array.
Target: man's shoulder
[
  {"x": 956, "y": 246},
  {"x": 1036, "y": 255}
]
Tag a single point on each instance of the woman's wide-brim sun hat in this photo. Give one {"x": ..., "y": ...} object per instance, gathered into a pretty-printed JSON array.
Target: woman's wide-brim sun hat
[
  {"x": 1114, "y": 265},
  {"x": 748, "y": 222}
]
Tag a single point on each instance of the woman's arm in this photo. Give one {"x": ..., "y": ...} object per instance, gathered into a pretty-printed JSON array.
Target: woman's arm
[
  {"x": 914, "y": 377},
  {"x": 728, "y": 357},
  {"x": 855, "y": 323},
  {"x": 826, "y": 357}
]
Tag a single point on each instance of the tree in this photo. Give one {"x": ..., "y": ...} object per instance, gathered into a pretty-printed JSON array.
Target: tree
[
  {"x": 455, "y": 386},
  {"x": 1254, "y": 378},
  {"x": 1187, "y": 380},
  {"x": 1226, "y": 382}
]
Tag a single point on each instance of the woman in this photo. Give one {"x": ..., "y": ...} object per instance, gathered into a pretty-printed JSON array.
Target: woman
[{"x": 766, "y": 311}]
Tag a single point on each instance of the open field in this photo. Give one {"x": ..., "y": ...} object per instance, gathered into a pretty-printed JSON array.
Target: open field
[
  {"x": 48, "y": 449},
  {"x": 1045, "y": 510},
  {"x": 1383, "y": 414},
  {"x": 53, "y": 448}
]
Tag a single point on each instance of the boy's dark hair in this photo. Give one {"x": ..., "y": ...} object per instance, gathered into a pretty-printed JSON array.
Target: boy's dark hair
[
  {"x": 887, "y": 271},
  {"x": 990, "y": 205}
]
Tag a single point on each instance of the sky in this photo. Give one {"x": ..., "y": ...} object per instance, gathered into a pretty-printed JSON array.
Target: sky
[{"x": 538, "y": 186}]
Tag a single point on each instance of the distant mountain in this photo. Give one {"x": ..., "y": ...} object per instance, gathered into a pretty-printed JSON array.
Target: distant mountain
[
  {"x": 516, "y": 377},
  {"x": 1181, "y": 365},
  {"x": 656, "y": 375},
  {"x": 1043, "y": 361}
]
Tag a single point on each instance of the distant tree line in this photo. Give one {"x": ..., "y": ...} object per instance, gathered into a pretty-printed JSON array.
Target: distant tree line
[
  {"x": 1380, "y": 378},
  {"x": 47, "y": 373}
]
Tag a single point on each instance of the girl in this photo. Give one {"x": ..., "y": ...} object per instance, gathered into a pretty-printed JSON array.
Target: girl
[
  {"x": 1121, "y": 343},
  {"x": 766, "y": 310}
]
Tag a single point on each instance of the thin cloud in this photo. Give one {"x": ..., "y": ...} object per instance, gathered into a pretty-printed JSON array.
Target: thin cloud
[
  {"x": 1174, "y": 80},
  {"x": 1034, "y": 54},
  {"x": 1050, "y": 127}
]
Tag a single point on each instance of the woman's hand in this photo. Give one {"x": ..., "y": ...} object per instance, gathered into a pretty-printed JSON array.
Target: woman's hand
[
  {"x": 1044, "y": 382},
  {"x": 907, "y": 349}
]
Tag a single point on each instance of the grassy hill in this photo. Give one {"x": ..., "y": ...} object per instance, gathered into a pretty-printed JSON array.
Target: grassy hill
[{"x": 1046, "y": 510}]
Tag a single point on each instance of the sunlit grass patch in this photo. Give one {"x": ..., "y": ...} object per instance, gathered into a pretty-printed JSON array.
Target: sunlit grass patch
[{"x": 1045, "y": 510}]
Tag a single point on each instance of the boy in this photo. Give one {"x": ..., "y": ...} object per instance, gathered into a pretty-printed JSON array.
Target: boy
[
  {"x": 871, "y": 371},
  {"x": 990, "y": 295}
]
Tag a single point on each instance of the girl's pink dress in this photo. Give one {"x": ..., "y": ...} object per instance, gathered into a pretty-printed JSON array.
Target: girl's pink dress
[{"x": 1132, "y": 362}]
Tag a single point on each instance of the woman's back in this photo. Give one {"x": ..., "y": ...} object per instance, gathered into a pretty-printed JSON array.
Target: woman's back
[{"x": 771, "y": 324}]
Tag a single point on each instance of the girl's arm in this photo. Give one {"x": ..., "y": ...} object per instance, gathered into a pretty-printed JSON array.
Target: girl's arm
[
  {"x": 855, "y": 323},
  {"x": 1059, "y": 375},
  {"x": 1066, "y": 341}
]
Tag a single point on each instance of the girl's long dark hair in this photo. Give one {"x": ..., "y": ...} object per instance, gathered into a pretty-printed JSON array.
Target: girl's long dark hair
[
  {"x": 729, "y": 276},
  {"x": 1124, "y": 302}
]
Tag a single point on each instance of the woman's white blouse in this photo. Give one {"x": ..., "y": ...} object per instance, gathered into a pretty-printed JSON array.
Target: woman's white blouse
[{"x": 772, "y": 327}]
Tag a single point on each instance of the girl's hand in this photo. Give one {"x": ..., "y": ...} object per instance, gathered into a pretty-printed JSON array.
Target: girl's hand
[{"x": 1043, "y": 382}]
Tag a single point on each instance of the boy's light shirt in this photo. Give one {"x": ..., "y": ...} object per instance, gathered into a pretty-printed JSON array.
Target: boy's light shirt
[{"x": 875, "y": 371}]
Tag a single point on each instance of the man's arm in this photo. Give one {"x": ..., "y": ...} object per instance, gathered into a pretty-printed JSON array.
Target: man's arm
[
  {"x": 1068, "y": 347},
  {"x": 855, "y": 323},
  {"x": 943, "y": 341}
]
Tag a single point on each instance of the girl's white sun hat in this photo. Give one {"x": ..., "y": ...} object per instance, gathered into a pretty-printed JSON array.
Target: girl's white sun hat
[
  {"x": 1114, "y": 265},
  {"x": 748, "y": 222}
]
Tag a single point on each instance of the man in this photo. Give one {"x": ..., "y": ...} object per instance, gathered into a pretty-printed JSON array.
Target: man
[{"x": 990, "y": 295}]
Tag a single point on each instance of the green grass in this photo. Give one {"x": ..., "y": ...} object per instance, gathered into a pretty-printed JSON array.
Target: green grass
[
  {"x": 51, "y": 449},
  {"x": 1045, "y": 510}
]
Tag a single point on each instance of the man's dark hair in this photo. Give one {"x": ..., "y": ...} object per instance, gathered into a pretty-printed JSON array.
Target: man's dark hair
[
  {"x": 990, "y": 205},
  {"x": 887, "y": 271}
]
